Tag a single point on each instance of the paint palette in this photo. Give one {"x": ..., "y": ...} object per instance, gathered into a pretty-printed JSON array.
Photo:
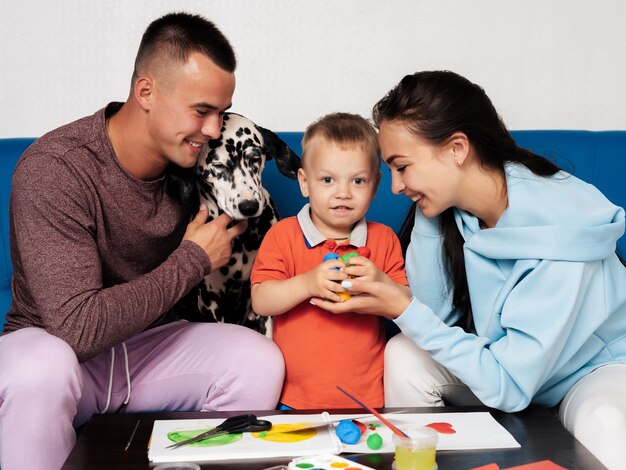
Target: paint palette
[{"x": 325, "y": 462}]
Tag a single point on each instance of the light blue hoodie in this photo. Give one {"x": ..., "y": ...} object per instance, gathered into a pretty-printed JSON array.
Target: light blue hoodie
[{"x": 548, "y": 292}]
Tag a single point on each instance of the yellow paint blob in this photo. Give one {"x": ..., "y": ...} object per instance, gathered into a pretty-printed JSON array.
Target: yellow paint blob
[{"x": 281, "y": 433}]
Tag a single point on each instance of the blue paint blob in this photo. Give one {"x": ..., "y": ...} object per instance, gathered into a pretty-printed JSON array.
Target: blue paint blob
[{"x": 348, "y": 432}]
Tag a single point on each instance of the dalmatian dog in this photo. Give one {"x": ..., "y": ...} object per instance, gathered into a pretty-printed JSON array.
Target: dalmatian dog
[{"x": 228, "y": 179}]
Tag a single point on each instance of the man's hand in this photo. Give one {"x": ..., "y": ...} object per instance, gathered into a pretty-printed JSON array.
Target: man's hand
[{"x": 214, "y": 237}]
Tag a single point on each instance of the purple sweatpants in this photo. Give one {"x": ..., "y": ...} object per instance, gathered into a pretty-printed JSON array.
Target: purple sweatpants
[{"x": 45, "y": 392}]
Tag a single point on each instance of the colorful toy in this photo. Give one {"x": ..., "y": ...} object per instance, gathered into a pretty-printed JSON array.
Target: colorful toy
[
  {"x": 360, "y": 251},
  {"x": 330, "y": 256}
]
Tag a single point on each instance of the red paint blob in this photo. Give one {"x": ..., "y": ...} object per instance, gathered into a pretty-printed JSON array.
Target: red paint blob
[
  {"x": 362, "y": 427},
  {"x": 442, "y": 428}
]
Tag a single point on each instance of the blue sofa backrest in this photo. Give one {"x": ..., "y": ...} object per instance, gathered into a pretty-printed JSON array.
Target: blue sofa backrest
[{"x": 598, "y": 158}]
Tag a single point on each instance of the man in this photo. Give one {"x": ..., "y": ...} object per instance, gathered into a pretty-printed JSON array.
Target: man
[{"x": 102, "y": 249}]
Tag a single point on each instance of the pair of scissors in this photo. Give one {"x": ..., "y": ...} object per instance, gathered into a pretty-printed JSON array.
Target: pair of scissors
[{"x": 234, "y": 424}]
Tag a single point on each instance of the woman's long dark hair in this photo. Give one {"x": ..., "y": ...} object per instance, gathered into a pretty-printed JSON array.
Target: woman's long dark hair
[{"x": 434, "y": 105}]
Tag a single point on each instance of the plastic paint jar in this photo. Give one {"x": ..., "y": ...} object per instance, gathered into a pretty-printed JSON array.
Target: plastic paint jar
[{"x": 416, "y": 452}]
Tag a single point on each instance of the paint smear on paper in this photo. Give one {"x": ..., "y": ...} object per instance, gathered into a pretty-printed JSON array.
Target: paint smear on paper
[
  {"x": 442, "y": 428},
  {"x": 224, "y": 439},
  {"x": 281, "y": 433}
]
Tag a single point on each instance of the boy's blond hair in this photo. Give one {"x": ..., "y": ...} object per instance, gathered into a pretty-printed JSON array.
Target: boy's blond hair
[{"x": 344, "y": 129}]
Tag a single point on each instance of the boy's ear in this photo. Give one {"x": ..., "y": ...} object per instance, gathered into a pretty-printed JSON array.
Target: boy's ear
[{"x": 304, "y": 184}]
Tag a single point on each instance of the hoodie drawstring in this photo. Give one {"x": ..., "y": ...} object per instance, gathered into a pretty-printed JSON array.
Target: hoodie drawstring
[
  {"x": 127, "y": 370},
  {"x": 110, "y": 387}
]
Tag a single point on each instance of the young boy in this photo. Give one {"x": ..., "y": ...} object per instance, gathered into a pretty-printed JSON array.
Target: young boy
[{"x": 340, "y": 173}]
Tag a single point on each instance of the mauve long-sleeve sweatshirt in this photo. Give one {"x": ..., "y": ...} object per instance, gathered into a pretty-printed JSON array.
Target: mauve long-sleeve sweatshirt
[{"x": 97, "y": 254}]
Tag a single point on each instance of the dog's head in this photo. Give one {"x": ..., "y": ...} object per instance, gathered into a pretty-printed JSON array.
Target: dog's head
[{"x": 230, "y": 167}]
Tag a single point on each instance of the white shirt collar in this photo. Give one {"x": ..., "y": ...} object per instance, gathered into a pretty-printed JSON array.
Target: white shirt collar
[{"x": 313, "y": 237}]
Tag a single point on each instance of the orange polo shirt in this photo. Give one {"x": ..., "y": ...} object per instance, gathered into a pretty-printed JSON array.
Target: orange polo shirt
[{"x": 323, "y": 350}]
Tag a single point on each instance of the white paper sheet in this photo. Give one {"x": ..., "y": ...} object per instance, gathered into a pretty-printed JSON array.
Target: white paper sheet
[{"x": 472, "y": 430}]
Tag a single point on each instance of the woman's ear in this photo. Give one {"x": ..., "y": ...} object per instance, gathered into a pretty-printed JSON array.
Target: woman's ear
[
  {"x": 459, "y": 147},
  {"x": 304, "y": 184}
]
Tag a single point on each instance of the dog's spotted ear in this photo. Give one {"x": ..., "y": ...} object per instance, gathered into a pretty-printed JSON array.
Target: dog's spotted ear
[{"x": 286, "y": 159}]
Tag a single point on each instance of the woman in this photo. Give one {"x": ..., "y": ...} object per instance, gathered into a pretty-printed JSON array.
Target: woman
[{"x": 518, "y": 294}]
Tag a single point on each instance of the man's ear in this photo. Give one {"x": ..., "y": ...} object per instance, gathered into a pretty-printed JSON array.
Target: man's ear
[
  {"x": 143, "y": 90},
  {"x": 304, "y": 183}
]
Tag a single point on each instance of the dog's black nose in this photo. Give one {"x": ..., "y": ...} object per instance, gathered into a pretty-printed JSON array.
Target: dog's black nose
[{"x": 248, "y": 207}]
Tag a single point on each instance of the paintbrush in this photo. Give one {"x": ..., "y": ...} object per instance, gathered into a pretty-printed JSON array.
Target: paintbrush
[
  {"x": 132, "y": 435},
  {"x": 396, "y": 431}
]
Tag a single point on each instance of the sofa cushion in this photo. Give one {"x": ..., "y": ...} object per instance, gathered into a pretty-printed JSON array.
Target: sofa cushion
[
  {"x": 10, "y": 151},
  {"x": 598, "y": 157}
]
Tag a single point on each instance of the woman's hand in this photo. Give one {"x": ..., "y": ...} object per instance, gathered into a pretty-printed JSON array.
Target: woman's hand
[
  {"x": 370, "y": 297},
  {"x": 364, "y": 269}
]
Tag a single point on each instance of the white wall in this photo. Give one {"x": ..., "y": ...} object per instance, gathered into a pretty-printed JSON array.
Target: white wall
[{"x": 545, "y": 63}]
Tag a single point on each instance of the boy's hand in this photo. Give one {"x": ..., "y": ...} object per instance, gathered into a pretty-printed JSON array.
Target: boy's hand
[{"x": 324, "y": 281}]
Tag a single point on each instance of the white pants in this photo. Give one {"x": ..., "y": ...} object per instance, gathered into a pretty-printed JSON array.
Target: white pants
[{"x": 594, "y": 410}]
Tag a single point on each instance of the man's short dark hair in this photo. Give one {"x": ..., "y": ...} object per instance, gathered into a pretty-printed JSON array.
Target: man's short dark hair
[{"x": 174, "y": 36}]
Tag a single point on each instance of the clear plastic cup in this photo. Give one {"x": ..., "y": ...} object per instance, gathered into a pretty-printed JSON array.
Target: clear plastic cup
[{"x": 416, "y": 452}]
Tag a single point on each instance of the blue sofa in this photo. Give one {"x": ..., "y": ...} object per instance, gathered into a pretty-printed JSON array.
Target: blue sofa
[{"x": 596, "y": 157}]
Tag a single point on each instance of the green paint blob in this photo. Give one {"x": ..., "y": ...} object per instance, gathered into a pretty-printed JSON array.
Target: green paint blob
[
  {"x": 263, "y": 434},
  {"x": 224, "y": 439},
  {"x": 374, "y": 441},
  {"x": 305, "y": 465}
]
